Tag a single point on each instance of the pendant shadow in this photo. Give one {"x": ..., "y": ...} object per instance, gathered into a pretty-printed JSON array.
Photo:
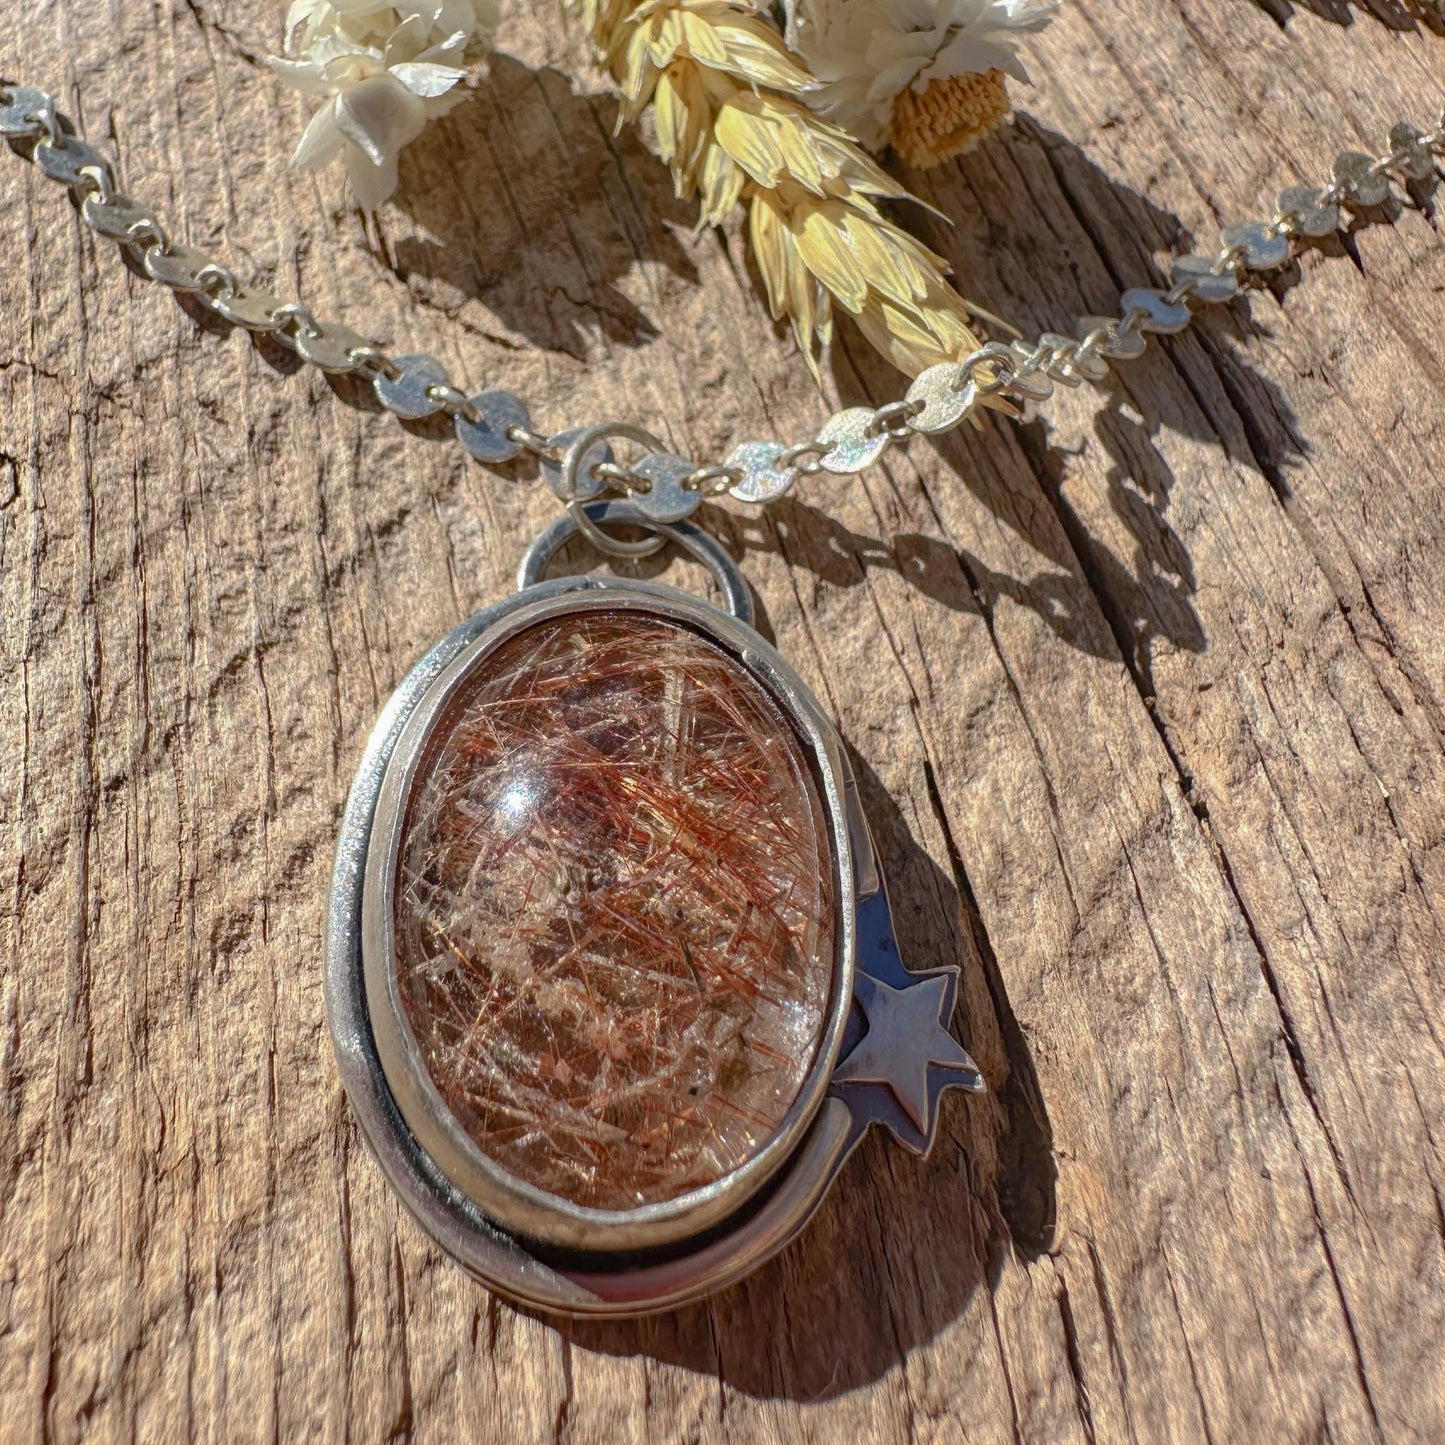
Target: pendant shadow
[{"x": 900, "y": 1245}]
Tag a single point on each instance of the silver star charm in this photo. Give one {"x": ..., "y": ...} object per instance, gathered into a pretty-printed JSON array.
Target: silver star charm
[{"x": 907, "y": 1039}]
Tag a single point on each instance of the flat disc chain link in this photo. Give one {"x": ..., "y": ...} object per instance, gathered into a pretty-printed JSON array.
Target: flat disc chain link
[{"x": 581, "y": 464}]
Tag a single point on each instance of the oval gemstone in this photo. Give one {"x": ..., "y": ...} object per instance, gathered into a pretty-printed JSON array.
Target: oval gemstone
[{"x": 614, "y": 912}]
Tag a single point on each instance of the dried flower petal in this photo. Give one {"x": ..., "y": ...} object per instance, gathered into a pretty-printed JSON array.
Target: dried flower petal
[
  {"x": 384, "y": 70},
  {"x": 380, "y": 115}
]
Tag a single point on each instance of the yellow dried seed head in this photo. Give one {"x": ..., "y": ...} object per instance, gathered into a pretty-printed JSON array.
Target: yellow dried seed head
[
  {"x": 733, "y": 127},
  {"x": 947, "y": 117}
]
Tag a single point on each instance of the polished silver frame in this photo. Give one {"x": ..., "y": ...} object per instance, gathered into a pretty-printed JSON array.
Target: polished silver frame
[{"x": 535, "y": 1247}]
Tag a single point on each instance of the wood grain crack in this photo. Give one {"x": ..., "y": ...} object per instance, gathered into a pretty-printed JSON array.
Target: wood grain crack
[{"x": 1076, "y": 1367}]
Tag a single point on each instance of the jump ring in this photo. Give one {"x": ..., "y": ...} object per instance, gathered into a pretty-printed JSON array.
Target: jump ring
[
  {"x": 886, "y": 417},
  {"x": 532, "y": 441},
  {"x": 794, "y": 456},
  {"x": 453, "y": 401},
  {"x": 605, "y": 542},
  {"x": 582, "y": 442},
  {"x": 294, "y": 311},
  {"x": 372, "y": 361}
]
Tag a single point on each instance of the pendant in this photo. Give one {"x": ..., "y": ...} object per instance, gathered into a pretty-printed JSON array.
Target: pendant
[{"x": 610, "y": 969}]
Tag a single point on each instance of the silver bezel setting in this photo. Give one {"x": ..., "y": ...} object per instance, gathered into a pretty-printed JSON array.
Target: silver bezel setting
[
  {"x": 517, "y": 1206},
  {"x": 886, "y": 1056},
  {"x": 622, "y": 1262}
]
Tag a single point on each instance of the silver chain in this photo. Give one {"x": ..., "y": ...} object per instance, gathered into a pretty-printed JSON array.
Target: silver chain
[{"x": 580, "y": 464}]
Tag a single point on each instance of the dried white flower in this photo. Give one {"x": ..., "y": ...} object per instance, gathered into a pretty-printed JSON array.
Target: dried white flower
[
  {"x": 385, "y": 70},
  {"x": 866, "y": 53}
]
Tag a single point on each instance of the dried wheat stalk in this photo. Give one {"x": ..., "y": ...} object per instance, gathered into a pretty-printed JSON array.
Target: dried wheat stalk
[{"x": 733, "y": 126}]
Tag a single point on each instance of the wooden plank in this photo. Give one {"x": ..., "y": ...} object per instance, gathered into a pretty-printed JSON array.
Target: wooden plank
[{"x": 1145, "y": 695}]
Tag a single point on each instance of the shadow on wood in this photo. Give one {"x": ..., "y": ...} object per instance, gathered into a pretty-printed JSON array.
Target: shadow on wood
[
  {"x": 943, "y": 1226},
  {"x": 1399, "y": 15},
  {"x": 549, "y": 262}
]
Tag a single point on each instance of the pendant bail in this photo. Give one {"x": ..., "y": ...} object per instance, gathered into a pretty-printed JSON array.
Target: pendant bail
[{"x": 587, "y": 518}]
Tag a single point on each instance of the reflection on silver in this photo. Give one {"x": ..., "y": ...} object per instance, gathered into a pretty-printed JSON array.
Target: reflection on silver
[{"x": 895, "y": 1074}]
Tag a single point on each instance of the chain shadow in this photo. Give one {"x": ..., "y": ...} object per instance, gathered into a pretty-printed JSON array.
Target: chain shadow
[
  {"x": 954, "y": 577},
  {"x": 529, "y": 201},
  {"x": 1047, "y": 237},
  {"x": 899, "y": 1245},
  {"x": 1041, "y": 232},
  {"x": 1403, "y": 15}
]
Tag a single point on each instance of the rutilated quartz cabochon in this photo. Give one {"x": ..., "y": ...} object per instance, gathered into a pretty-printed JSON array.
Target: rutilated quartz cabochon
[
  {"x": 602, "y": 947},
  {"x": 614, "y": 927}
]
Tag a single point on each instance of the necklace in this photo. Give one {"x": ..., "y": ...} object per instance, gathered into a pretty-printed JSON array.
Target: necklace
[{"x": 610, "y": 968}]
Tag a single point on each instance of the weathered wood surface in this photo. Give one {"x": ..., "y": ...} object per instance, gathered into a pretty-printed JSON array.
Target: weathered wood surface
[{"x": 1148, "y": 698}]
